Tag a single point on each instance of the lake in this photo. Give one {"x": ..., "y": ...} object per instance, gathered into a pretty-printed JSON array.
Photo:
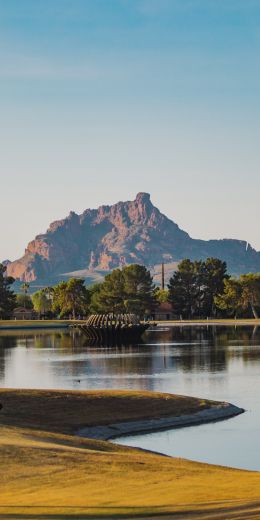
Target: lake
[{"x": 215, "y": 362}]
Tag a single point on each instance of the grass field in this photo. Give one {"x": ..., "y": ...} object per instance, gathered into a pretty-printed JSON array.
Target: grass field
[
  {"x": 217, "y": 321},
  {"x": 47, "y": 473},
  {"x": 66, "y": 411},
  {"x": 48, "y": 324},
  {"x": 20, "y": 324}
]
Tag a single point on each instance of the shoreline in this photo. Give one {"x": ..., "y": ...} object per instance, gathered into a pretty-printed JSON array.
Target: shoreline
[
  {"x": 128, "y": 428},
  {"x": 254, "y": 322},
  {"x": 36, "y": 324},
  {"x": 51, "y": 472},
  {"x": 65, "y": 324}
]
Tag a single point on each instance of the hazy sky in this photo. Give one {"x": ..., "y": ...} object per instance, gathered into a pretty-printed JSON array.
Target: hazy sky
[{"x": 100, "y": 99}]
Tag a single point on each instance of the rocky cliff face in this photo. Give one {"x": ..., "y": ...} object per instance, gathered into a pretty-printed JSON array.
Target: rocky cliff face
[{"x": 112, "y": 236}]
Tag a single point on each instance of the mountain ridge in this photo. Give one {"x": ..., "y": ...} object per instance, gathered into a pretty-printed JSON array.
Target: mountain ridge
[{"x": 126, "y": 232}]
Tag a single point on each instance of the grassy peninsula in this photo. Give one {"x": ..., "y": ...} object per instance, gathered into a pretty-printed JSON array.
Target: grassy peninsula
[{"x": 49, "y": 473}]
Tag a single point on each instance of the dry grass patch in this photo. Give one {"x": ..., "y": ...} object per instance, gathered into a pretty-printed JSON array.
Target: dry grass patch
[
  {"x": 65, "y": 412},
  {"x": 51, "y": 475}
]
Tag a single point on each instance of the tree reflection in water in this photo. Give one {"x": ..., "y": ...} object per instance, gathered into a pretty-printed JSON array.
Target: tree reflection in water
[{"x": 64, "y": 358}]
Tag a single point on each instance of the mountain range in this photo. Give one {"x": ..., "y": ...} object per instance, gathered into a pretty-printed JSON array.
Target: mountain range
[{"x": 99, "y": 240}]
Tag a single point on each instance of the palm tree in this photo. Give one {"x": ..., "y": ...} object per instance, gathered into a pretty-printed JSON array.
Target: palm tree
[
  {"x": 49, "y": 292},
  {"x": 25, "y": 288}
]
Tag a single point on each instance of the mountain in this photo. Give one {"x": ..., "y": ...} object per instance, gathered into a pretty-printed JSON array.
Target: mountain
[
  {"x": 136, "y": 231},
  {"x": 6, "y": 262}
]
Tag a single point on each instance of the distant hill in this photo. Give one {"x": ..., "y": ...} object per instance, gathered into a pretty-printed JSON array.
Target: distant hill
[
  {"x": 6, "y": 262},
  {"x": 127, "y": 232}
]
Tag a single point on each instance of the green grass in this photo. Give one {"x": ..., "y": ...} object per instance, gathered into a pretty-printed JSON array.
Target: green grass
[
  {"x": 47, "y": 324},
  {"x": 219, "y": 321},
  {"x": 20, "y": 324}
]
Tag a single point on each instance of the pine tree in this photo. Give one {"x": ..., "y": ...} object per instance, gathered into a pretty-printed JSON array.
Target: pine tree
[
  {"x": 183, "y": 290},
  {"x": 195, "y": 285},
  {"x": 138, "y": 289},
  {"x": 214, "y": 275},
  {"x": 7, "y": 296},
  {"x": 130, "y": 290},
  {"x": 110, "y": 294}
]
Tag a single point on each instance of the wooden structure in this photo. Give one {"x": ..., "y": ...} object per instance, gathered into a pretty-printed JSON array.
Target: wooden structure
[
  {"x": 20, "y": 313},
  {"x": 163, "y": 312},
  {"x": 106, "y": 329}
]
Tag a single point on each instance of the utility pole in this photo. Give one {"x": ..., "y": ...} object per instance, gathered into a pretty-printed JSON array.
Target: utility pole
[{"x": 162, "y": 276}]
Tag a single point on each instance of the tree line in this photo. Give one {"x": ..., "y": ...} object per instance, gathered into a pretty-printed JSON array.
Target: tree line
[
  {"x": 202, "y": 289},
  {"x": 197, "y": 289}
]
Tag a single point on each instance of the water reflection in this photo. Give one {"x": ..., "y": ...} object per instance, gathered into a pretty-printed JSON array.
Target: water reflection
[
  {"x": 63, "y": 356},
  {"x": 221, "y": 363}
]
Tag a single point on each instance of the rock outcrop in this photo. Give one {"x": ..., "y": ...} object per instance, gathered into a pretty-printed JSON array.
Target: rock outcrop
[{"x": 127, "y": 232}]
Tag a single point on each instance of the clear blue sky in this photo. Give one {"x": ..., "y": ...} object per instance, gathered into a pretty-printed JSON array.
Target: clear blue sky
[{"x": 100, "y": 99}]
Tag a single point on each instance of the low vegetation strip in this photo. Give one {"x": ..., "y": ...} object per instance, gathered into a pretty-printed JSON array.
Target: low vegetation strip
[
  {"x": 33, "y": 324},
  {"x": 15, "y": 325},
  {"x": 49, "y": 473},
  {"x": 67, "y": 411}
]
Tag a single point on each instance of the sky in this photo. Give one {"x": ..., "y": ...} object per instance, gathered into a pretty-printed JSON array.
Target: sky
[{"x": 101, "y": 99}]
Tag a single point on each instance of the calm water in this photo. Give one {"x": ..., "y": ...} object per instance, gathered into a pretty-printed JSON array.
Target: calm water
[{"x": 220, "y": 363}]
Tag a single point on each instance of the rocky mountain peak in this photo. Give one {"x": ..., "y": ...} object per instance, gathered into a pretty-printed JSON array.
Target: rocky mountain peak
[
  {"x": 143, "y": 198},
  {"x": 111, "y": 236}
]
